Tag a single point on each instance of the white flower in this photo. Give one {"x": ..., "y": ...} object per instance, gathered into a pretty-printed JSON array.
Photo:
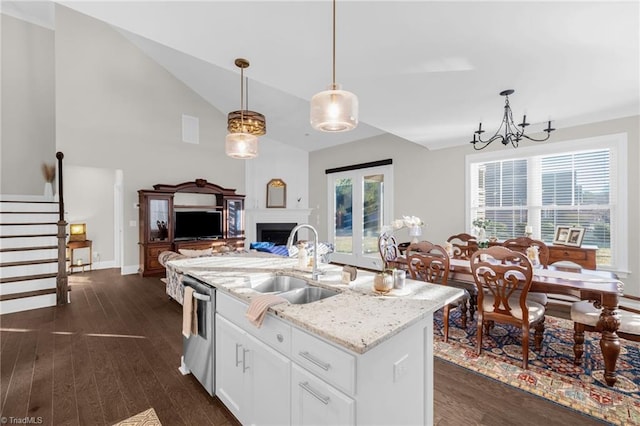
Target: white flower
[
  {"x": 406, "y": 222},
  {"x": 397, "y": 224},
  {"x": 410, "y": 221}
]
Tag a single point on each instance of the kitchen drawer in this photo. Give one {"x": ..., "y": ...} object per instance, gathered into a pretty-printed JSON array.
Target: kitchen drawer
[
  {"x": 325, "y": 360},
  {"x": 274, "y": 332},
  {"x": 314, "y": 402}
]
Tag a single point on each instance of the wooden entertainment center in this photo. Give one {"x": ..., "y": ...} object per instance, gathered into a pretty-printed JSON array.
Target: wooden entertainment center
[{"x": 158, "y": 209}]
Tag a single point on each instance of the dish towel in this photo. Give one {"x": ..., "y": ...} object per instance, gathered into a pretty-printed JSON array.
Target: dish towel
[
  {"x": 189, "y": 313},
  {"x": 260, "y": 305}
]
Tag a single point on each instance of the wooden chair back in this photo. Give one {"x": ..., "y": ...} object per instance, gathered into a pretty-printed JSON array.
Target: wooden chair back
[
  {"x": 464, "y": 245},
  {"x": 504, "y": 273},
  {"x": 389, "y": 252},
  {"x": 521, "y": 244},
  {"x": 419, "y": 247},
  {"x": 431, "y": 266}
]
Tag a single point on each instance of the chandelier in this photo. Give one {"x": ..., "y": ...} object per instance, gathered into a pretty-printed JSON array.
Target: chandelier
[
  {"x": 244, "y": 126},
  {"x": 512, "y": 135},
  {"x": 334, "y": 110}
]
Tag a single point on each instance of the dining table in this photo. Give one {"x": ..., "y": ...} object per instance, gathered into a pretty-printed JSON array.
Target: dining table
[{"x": 601, "y": 287}]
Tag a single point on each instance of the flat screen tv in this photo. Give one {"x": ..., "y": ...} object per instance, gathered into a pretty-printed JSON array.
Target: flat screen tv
[{"x": 198, "y": 224}]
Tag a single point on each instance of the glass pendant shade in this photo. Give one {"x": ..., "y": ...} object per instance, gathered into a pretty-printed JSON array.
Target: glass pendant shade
[
  {"x": 334, "y": 110},
  {"x": 242, "y": 146}
]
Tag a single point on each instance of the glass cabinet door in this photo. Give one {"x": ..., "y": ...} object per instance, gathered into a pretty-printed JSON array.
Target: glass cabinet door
[
  {"x": 235, "y": 218},
  {"x": 158, "y": 219}
]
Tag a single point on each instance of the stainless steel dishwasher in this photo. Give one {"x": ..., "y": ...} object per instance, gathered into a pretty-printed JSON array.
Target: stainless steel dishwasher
[{"x": 198, "y": 351}]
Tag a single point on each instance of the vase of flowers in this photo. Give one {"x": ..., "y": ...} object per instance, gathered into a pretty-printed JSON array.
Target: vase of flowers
[
  {"x": 480, "y": 228},
  {"x": 49, "y": 174},
  {"x": 413, "y": 223}
]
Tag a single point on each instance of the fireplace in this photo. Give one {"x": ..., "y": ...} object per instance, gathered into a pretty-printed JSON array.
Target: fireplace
[{"x": 276, "y": 233}]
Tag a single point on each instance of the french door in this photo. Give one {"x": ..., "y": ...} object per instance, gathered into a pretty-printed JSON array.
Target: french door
[{"x": 360, "y": 204}]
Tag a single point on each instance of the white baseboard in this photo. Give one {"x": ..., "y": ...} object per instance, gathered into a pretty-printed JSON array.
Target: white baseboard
[{"x": 130, "y": 269}]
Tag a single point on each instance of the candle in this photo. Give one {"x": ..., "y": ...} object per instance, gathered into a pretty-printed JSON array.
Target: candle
[
  {"x": 528, "y": 229},
  {"x": 79, "y": 262}
]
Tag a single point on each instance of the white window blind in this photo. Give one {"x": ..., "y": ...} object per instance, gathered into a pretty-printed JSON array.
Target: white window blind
[{"x": 565, "y": 187}]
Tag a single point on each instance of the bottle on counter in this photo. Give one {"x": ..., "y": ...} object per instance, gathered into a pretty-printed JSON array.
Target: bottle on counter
[{"x": 303, "y": 256}]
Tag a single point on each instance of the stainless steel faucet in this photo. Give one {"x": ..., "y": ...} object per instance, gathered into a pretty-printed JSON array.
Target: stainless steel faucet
[{"x": 315, "y": 273}]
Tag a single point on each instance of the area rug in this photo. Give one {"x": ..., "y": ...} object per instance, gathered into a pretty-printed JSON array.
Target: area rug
[
  {"x": 551, "y": 372},
  {"x": 146, "y": 418}
]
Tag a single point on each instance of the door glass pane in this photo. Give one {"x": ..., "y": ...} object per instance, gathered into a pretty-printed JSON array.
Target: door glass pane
[
  {"x": 159, "y": 220},
  {"x": 234, "y": 213},
  {"x": 343, "y": 211},
  {"x": 372, "y": 217}
]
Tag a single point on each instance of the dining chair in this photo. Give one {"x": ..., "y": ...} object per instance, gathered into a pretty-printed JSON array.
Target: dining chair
[
  {"x": 503, "y": 278},
  {"x": 585, "y": 315},
  {"x": 389, "y": 252},
  {"x": 463, "y": 245},
  {"x": 433, "y": 266},
  {"x": 419, "y": 247},
  {"x": 521, "y": 244}
]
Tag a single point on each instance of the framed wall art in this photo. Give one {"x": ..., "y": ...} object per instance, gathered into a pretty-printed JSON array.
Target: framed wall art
[
  {"x": 561, "y": 235},
  {"x": 575, "y": 237}
]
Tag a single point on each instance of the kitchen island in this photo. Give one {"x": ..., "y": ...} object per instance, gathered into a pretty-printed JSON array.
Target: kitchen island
[{"x": 353, "y": 358}]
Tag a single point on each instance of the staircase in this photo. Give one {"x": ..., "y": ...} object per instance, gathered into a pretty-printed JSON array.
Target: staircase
[{"x": 28, "y": 253}]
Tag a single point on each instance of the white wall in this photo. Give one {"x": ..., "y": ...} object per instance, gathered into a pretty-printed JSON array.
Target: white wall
[
  {"x": 118, "y": 109},
  {"x": 89, "y": 198},
  {"x": 277, "y": 160},
  {"x": 431, "y": 184},
  {"x": 27, "y": 119}
]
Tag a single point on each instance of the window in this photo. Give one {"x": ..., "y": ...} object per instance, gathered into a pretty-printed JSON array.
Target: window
[
  {"x": 578, "y": 183},
  {"x": 359, "y": 204}
]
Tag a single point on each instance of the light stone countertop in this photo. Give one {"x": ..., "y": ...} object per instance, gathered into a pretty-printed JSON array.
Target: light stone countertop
[{"x": 357, "y": 319}]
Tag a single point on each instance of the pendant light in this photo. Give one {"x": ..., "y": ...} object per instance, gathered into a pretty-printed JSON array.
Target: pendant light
[
  {"x": 244, "y": 126},
  {"x": 334, "y": 110}
]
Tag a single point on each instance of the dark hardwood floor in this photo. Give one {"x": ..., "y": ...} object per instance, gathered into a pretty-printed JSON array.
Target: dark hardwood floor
[{"x": 115, "y": 351}]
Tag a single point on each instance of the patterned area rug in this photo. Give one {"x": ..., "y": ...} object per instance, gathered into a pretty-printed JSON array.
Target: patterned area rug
[
  {"x": 146, "y": 418},
  {"x": 551, "y": 372}
]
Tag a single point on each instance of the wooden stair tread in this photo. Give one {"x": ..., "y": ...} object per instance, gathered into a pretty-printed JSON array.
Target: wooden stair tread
[
  {"x": 29, "y": 201},
  {"x": 11, "y": 249},
  {"x": 27, "y": 278},
  {"x": 28, "y": 236},
  {"x": 26, "y": 294},
  {"x": 27, "y": 223},
  {"x": 29, "y": 262}
]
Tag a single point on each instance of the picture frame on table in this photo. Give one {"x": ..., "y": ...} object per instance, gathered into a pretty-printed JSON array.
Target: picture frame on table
[
  {"x": 561, "y": 235},
  {"x": 575, "y": 237}
]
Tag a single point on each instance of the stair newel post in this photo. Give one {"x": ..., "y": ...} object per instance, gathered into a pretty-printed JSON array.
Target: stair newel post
[{"x": 62, "y": 285}]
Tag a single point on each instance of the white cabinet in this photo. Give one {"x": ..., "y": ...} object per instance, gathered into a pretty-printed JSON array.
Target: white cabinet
[
  {"x": 229, "y": 366},
  {"x": 314, "y": 402},
  {"x": 252, "y": 379},
  {"x": 281, "y": 374}
]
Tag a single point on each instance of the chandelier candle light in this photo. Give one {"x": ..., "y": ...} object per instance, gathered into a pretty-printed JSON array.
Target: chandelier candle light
[
  {"x": 244, "y": 126},
  {"x": 512, "y": 135},
  {"x": 334, "y": 110}
]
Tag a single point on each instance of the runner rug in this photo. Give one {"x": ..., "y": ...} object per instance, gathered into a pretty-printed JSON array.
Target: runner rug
[{"x": 551, "y": 372}]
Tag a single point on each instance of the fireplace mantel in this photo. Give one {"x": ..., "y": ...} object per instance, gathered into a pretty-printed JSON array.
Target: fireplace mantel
[{"x": 253, "y": 216}]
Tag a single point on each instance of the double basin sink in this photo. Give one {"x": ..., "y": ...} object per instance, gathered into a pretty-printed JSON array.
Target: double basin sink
[{"x": 296, "y": 290}]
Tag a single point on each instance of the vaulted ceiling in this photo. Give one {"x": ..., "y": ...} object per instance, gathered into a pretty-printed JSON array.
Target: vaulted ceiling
[{"x": 426, "y": 71}]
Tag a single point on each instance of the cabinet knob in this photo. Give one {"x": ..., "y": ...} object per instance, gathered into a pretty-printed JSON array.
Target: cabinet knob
[{"x": 280, "y": 338}]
